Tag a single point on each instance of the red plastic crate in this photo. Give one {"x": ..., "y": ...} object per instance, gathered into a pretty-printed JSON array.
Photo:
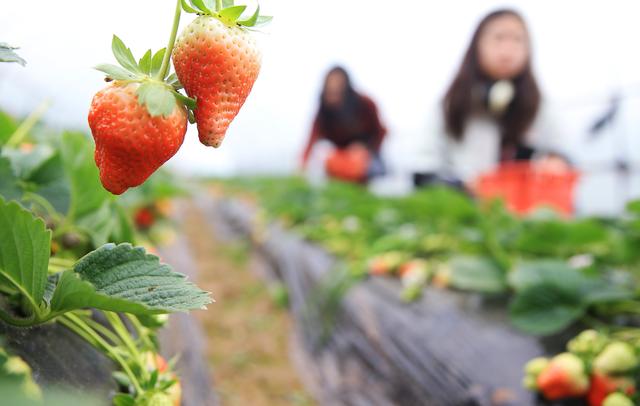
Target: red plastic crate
[{"x": 524, "y": 188}]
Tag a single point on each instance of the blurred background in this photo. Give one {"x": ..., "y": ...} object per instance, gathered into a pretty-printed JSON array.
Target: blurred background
[{"x": 402, "y": 55}]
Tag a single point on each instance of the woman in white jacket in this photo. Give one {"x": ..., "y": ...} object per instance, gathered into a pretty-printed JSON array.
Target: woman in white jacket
[{"x": 492, "y": 111}]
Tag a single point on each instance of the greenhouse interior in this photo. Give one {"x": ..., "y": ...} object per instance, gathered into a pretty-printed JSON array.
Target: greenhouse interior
[{"x": 362, "y": 203}]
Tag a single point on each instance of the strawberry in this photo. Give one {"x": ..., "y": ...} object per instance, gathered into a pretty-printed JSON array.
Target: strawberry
[
  {"x": 617, "y": 399},
  {"x": 603, "y": 385},
  {"x": 617, "y": 357},
  {"x": 139, "y": 121},
  {"x": 217, "y": 61},
  {"x": 532, "y": 370},
  {"x": 144, "y": 218},
  {"x": 564, "y": 377},
  {"x": 130, "y": 143},
  {"x": 386, "y": 263}
]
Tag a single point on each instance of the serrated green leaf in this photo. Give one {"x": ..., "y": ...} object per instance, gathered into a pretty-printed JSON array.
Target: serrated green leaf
[
  {"x": 251, "y": 21},
  {"x": 263, "y": 20},
  {"x": 24, "y": 252},
  {"x": 7, "y": 54},
  {"x": 477, "y": 274},
  {"x": 545, "y": 309},
  {"x": 157, "y": 97},
  {"x": 187, "y": 101},
  {"x": 123, "y": 55},
  {"x": 125, "y": 279},
  {"x": 145, "y": 63},
  {"x": 200, "y": 5},
  {"x": 115, "y": 72},
  {"x": 156, "y": 63},
  {"x": 187, "y": 7},
  {"x": 232, "y": 13}
]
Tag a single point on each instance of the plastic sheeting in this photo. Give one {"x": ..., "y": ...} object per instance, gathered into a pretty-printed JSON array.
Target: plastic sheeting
[{"x": 446, "y": 349}]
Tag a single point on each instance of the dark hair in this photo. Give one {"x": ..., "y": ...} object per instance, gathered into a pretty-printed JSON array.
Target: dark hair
[
  {"x": 346, "y": 116},
  {"x": 459, "y": 101}
]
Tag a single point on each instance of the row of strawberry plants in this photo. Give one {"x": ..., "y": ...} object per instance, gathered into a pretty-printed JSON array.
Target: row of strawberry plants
[{"x": 551, "y": 273}]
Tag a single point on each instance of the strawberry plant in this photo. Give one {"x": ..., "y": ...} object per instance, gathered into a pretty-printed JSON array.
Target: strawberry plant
[{"x": 64, "y": 251}]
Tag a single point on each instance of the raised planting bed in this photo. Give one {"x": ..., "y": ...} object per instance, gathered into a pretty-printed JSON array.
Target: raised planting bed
[{"x": 448, "y": 348}]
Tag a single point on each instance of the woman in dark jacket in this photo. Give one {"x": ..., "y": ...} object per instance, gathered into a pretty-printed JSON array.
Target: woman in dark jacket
[{"x": 350, "y": 122}]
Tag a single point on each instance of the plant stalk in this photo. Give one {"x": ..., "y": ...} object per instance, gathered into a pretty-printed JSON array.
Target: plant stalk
[{"x": 164, "y": 69}]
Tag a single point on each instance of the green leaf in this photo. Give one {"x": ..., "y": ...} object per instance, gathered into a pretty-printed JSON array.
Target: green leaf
[
  {"x": 186, "y": 7},
  {"x": 145, "y": 63},
  {"x": 263, "y": 20},
  {"x": 50, "y": 182},
  {"x": 87, "y": 193},
  {"x": 157, "y": 97},
  {"x": 8, "y": 126},
  {"x": 251, "y": 21},
  {"x": 125, "y": 279},
  {"x": 232, "y": 14},
  {"x": 9, "y": 183},
  {"x": 115, "y": 72},
  {"x": 24, "y": 252},
  {"x": 545, "y": 309},
  {"x": 122, "y": 399},
  {"x": 156, "y": 63},
  {"x": 200, "y": 5},
  {"x": 123, "y": 55},
  {"x": 26, "y": 163},
  {"x": 7, "y": 54},
  {"x": 477, "y": 274},
  {"x": 531, "y": 273}
]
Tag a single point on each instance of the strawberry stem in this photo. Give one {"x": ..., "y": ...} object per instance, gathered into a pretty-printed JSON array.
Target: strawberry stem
[
  {"x": 218, "y": 5},
  {"x": 164, "y": 68}
]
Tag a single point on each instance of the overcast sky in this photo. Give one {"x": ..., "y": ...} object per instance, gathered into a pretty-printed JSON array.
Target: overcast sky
[{"x": 403, "y": 54}]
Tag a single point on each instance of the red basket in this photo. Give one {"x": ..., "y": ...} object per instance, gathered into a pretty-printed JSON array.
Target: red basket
[{"x": 525, "y": 188}]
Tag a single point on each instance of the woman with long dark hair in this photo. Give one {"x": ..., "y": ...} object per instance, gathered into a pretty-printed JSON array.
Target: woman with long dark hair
[
  {"x": 492, "y": 111},
  {"x": 350, "y": 122}
]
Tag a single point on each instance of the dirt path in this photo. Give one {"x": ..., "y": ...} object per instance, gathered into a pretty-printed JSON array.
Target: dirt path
[{"x": 248, "y": 334}]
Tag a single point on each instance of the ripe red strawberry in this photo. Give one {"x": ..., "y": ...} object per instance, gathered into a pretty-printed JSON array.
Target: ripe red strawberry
[
  {"x": 130, "y": 143},
  {"x": 144, "y": 218},
  {"x": 217, "y": 61},
  {"x": 564, "y": 377},
  {"x": 139, "y": 121}
]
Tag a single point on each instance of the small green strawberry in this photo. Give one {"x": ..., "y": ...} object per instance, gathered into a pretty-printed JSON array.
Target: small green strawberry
[
  {"x": 617, "y": 357},
  {"x": 218, "y": 61}
]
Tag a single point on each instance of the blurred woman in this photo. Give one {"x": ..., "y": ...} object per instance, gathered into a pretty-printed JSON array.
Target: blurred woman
[
  {"x": 492, "y": 111},
  {"x": 350, "y": 122}
]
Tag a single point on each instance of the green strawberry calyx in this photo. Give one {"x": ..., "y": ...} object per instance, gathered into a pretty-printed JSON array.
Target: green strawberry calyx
[
  {"x": 227, "y": 12},
  {"x": 158, "y": 90}
]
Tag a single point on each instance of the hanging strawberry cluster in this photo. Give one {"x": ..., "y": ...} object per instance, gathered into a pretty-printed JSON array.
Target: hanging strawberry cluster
[{"x": 140, "y": 119}]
